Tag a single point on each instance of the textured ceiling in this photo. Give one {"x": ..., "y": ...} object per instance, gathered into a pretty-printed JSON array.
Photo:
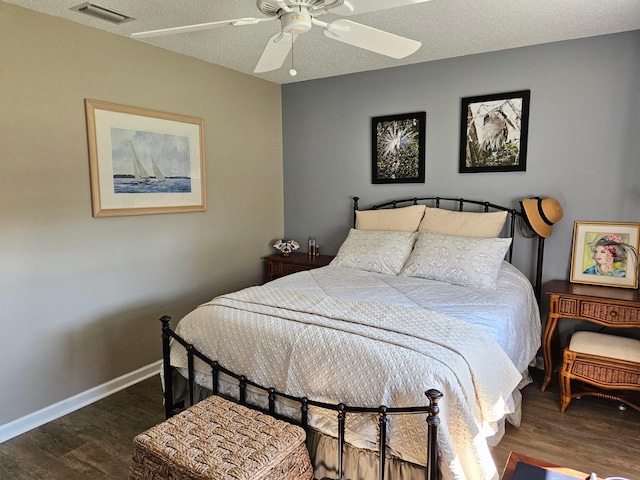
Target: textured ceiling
[{"x": 446, "y": 28}]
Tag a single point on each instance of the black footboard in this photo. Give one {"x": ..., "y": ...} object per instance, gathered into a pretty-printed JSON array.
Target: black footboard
[{"x": 342, "y": 410}]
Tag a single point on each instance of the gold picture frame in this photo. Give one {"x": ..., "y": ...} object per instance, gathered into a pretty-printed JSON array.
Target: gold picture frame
[
  {"x": 605, "y": 254},
  {"x": 144, "y": 161}
]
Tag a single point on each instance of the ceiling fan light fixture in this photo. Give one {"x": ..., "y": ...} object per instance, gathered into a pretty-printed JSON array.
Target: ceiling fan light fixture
[{"x": 295, "y": 23}]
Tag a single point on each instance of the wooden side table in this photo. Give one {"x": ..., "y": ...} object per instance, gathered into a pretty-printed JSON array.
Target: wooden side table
[
  {"x": 515, "y": 458},
  {"x": 279, "y": 266},
  {"x": 605, "y": 306}
]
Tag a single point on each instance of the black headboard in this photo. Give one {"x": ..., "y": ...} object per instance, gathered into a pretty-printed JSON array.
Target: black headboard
[{"x": 515, "y": 218}]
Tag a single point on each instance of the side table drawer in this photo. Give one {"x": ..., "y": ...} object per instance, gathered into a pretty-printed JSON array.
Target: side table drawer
[
  {"x": 280, "y": 266},
  {"x": 613, "y": 314},
  {"x": 282, "y": 269},
  {"x": 568, "y": 306}
]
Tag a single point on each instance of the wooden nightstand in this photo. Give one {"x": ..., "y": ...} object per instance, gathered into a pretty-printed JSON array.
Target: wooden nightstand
[
  {"x": 606, "y": 306},
  {"x": 279, "y": 266}
]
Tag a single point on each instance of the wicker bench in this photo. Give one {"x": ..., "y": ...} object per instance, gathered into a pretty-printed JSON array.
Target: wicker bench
[
  {"x": 219, "y": 439},
  {"x": 607, "y": 362}
]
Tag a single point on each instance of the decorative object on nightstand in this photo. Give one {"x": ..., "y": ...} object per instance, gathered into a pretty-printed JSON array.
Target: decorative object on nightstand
[
  {"x": 313, "y": 248},
  {"x": 286, "y": 246},
  {"x": 604, "y": 306},
  {"x": 607, "y": 362},
  {"x": 279, "y": 266}
]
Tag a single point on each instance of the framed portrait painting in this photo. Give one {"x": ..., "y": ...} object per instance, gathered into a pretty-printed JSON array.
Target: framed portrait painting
[
  {"x": 605, "y": 254},
  {"x": 144, "y": 161},
  {"x": 398, "y": 148},
  {"x": 493, "y": 132}
]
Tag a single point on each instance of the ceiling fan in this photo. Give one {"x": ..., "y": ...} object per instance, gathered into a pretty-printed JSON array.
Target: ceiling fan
[{"x": 298, "y": 16}]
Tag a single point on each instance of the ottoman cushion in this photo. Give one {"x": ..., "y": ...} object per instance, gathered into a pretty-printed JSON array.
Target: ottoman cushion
[{"x": 603, "y": 345}]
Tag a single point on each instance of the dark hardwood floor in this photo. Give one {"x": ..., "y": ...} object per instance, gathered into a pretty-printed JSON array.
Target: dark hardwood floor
[
  {"x": 95, "y": 442},
  {"x": 593, "y": 435}
]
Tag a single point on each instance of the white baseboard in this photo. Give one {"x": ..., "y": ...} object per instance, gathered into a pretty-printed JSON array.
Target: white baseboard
[{"x": 57, "y": 410}]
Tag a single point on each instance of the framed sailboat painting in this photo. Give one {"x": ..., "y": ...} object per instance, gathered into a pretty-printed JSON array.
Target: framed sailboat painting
[{"x": 144, "y": 161}]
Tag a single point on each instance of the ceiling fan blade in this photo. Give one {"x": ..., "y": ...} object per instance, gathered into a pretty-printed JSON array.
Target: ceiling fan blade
[
  {"x": 372, "y": 39},
  {"x": 355, "y": 7},
  {"x": 275, "y": 52},
  {"x": 201, "y": 26}
]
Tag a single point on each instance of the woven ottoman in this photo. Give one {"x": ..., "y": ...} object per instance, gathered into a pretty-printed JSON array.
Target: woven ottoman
[
  {"x": 607, "y": 362},
  {"x": 219, "y": 439}
]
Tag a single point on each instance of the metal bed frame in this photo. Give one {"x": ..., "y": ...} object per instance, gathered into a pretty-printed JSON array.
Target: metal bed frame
[
  {"x": 433, "y": 396},
  {"x": 431, "y": 410}
]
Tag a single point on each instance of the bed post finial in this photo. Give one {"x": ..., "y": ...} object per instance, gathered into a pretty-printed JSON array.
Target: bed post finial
[
  {"x": 434, "y": 396},
  {"x": 355, "y": 209}
]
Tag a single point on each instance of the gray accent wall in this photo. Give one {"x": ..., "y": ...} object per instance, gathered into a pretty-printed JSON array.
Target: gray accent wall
[{"x": 584, "y": 137}]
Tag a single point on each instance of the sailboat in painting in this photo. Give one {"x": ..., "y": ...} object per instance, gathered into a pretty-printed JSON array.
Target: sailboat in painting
[
  {"x": 156, "y": 171},
  {"x": 140, "y": 173},
  {"x": 136, "y": 177}
]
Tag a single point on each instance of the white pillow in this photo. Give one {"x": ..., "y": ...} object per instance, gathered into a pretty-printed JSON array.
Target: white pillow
[
  {"x": 466, "y": 261},
  {"x": 405, "y": 219},
  {"x": 463, "y": 224},
  {"x": 375, "y": 251}
]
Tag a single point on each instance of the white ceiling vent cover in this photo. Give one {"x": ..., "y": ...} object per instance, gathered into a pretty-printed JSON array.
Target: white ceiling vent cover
[{"x": 102, "y": 13}]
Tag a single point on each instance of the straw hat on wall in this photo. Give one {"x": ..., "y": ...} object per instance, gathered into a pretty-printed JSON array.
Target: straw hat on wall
[{"x": 542, "y": 214}]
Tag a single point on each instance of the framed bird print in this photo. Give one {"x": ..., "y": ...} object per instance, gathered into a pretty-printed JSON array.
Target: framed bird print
[{"x": 493, "y": 132}]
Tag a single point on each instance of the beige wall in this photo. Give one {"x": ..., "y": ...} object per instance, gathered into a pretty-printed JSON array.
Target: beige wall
[{"x": 80, "y": 296}]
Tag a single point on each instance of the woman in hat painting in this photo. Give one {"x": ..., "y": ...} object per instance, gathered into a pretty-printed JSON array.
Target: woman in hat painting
[{"x": 609, "y": 254}]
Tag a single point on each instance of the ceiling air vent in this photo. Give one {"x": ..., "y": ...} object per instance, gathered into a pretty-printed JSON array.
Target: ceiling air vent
[{"x": 102, "y": 13}]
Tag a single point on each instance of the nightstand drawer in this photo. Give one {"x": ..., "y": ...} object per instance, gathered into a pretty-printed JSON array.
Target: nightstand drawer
[
  {"x": 278, "y": 269},
  {"x": 568, "y": 306},
  {"x": 613, "y": 314},
  {"x": 279, "y": 265}
]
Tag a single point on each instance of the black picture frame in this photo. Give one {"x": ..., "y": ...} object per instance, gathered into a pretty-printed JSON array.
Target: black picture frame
[
  {"x": 493, "y": 132},
  {"x": 397, "y": 149}
]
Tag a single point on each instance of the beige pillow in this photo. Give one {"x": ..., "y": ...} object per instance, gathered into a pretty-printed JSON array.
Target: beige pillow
[
  {"x": 463, "y": 224},
  {"x": 405, "y": 219}
]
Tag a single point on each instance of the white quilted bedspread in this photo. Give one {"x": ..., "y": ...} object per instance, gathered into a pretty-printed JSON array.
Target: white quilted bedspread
[
  {"x": 307, "y": 342},
  {"x": 510, "y": 313}
]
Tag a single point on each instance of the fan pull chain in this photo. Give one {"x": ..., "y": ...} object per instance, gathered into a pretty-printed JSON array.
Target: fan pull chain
[{"x": 293, "y": 71}]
